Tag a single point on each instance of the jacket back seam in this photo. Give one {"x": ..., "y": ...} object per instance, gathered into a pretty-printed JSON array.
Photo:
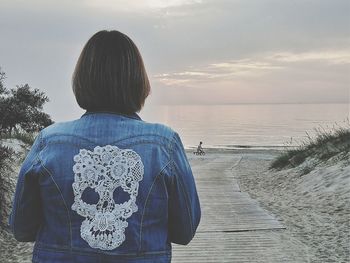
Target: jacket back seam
[
  {"x": 146, "y": 201},
  {"x": 79, "y": 145},
  {"x": 64, "y": 201},
  {"x": 20, "y": 196},
  {"x": 34, "y": 161},
  {"x": 84, "y": 138},
  {"x": 181, "y": 186},
  {"x": 187, "y": 201}
]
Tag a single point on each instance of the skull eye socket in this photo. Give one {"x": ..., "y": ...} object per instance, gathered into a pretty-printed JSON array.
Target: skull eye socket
[
  {"x": 120, "y": 196},
  {"x": 89, "y": 196}
]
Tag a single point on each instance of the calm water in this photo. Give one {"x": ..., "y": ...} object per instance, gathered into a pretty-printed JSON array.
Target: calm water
[{"x": 256, "y": 125}]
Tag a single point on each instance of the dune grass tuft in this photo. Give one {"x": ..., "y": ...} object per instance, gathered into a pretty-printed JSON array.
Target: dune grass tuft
[
  {"x": 5, "y": 153},
  {"x": 325, "y": 144},
  {"x": 25, "y": 137}
]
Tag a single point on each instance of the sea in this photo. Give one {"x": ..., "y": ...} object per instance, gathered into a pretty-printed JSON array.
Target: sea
[{"x": 276, "y": 126}]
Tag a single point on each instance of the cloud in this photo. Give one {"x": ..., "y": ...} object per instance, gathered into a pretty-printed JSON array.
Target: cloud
[
  {"x": 219, "y": 70},
  {"x": 255, "y": 67},
  {"x": 138, "y": 6},
  {"x": 330, "y": 57}
]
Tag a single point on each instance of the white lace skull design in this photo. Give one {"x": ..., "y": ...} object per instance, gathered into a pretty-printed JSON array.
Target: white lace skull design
[{"x": 104, "y": 169}]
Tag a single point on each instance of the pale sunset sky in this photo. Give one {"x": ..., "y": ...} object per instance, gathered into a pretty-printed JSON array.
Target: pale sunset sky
[{"x": 195, "y": 51}]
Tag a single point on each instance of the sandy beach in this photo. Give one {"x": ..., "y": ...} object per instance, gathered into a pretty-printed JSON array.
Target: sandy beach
[{"x": 313, "y": 207}]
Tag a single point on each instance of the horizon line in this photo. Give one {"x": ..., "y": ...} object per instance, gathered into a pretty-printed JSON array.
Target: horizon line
[{"x": 246, "y": 103}]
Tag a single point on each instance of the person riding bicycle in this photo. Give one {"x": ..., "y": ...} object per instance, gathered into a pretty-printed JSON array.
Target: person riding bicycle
[{"x": 200, "y": 148}]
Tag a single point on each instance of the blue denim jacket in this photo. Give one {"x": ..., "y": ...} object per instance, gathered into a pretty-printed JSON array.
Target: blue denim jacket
[{"x": 106, "y": 187}]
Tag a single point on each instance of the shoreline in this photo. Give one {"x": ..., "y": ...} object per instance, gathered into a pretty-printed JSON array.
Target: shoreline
[
  {"x": 269, "y": 151},
  {"x": 237, "y": 146}
]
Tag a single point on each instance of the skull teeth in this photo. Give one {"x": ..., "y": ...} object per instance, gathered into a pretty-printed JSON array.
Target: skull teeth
[{"x": 102, "y": 225}]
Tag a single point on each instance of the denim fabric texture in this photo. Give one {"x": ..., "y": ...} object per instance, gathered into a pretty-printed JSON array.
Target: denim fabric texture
[{"x": 168, "y": 209}]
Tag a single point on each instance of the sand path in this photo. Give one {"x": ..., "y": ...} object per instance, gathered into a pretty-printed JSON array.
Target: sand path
[{"x": 233, "y": 228}]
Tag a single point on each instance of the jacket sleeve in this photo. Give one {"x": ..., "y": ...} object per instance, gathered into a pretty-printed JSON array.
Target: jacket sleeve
[
  {"x": 25, "y": 217},
  {"x": 184, "y": 207}
]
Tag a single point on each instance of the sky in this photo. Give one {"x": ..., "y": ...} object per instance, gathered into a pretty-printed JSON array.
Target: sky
[{"x": 195, "y": 51}]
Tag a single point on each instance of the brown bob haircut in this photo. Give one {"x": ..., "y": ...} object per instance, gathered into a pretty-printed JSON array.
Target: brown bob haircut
[{"x": 110, "y": 74}]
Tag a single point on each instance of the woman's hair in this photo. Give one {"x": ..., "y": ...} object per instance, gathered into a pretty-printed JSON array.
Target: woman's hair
[{"x": 110, "y": 74}]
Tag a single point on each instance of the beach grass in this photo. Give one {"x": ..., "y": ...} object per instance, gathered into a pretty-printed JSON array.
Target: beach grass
[
  {"x": 5, "y": 153},
  {"x": 25, "y": 137},
  {"x": 325, "y": 144}
]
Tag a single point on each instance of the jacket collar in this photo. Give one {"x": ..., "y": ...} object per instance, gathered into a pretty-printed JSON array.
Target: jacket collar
[{"x": 133, "y": 115}]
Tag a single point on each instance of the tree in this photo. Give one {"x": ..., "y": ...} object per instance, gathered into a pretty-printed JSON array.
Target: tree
[{"x": 21, "y": 108}]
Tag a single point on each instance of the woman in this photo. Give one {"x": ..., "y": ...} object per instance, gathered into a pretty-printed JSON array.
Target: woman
[{"x": 107, "y": 187}]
